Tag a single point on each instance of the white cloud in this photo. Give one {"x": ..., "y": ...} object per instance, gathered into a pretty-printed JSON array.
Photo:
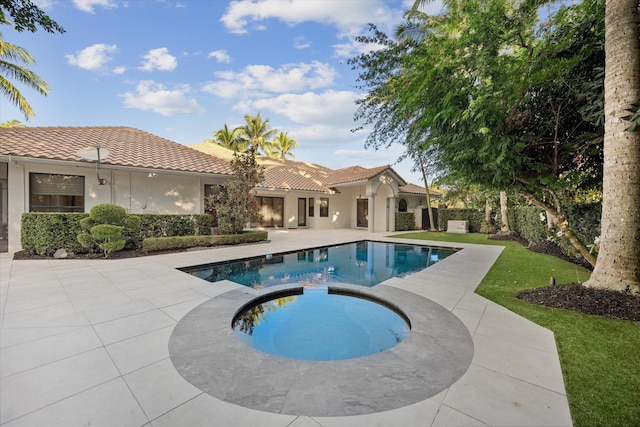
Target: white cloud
[
  {"x": 301, "y": 43},
  {"x": 88, "y": 5},
  {"x": 119, "y": 70},
  {"x": 257, "y": 80},
  {"x": 159, "y": 59},
  {"x": 350, "y": 18},
  {"x": 333, "y": 108},
  {"x": 92, "y": 57},
  {"x": 153, "y": 96},
  {"x": 220, "y": 55}
]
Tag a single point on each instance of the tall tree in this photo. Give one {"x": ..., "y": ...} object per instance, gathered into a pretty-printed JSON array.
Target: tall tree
[
  {"x": 14, "y": 61},
  {"x": 618, "y": 264},
  {"x": 257, "y": 133},
  {"x": 229, "y": 138},
  {"x": 282, "y": 146},
  {"x": 498, "y": 93}
]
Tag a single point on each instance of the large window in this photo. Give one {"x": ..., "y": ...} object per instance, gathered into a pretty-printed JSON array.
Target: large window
[
  {"x": 271, "y": 211},
  {"x": 56, "y": 193},
  {"x": 324, "y": 207}
]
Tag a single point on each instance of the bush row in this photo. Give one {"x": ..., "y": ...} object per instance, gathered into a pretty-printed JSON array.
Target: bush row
[
  {"x": 44, "y": 233},
  {"x": 530, "y": 222},
  {"x": 152, "y": 244},
  {"x": 474, "y": 217},
  {"x": 405, "y": 221}
]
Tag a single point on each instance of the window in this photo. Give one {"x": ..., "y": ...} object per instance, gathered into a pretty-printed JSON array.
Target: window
[
  {"x": 56, "y": 193},
  {"x": 402, "y": 205},
  {"x": 311, "y": 206},
  {"x": 324, "y": 207}
]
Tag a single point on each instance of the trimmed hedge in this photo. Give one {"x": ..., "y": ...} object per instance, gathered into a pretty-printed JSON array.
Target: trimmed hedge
[
  {"x": 405, "y": 221},
  {"x": 152, "y": 244},
  {"x": 475, "y": 218},
  {"x": 43, "y": 233},
  {"x": 525, "y": 221},
  {"x": 584, "y": 220}
]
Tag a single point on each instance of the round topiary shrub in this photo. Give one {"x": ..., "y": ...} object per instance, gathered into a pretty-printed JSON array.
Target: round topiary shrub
[{"x": 107, "y": 213}]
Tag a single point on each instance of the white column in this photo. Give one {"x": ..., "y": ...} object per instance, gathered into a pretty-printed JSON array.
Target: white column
[{"x": 372, "y": 210}]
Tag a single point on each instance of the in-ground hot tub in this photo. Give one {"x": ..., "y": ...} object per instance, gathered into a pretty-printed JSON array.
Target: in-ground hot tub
[{"x": 318, "y": 323}]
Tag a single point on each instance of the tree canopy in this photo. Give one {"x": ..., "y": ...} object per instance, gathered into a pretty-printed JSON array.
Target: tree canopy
[{"x": 505, "y": 99}]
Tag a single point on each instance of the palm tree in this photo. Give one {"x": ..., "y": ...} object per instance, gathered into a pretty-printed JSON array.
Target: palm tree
[
  {"x": 618, "y": 263},
  {"x": 228, "y": 138},
  {"x": 10, "y": 56},
  {"x": 283, "y": 145},
  {"x": 257, "y": 133}
]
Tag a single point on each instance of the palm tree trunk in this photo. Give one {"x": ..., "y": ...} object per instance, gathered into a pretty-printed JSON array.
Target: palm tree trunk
[
  {"x": 618, "y": 264},
  {"x": 428, "y": 195}
]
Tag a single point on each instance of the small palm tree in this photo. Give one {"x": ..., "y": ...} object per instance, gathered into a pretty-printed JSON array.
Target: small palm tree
[
  {"x": 10, "y": 56},
  {"x": 283, "y": 145},
  {"x": 257, "y": 133},
  {"x": 229, "y": 138}
]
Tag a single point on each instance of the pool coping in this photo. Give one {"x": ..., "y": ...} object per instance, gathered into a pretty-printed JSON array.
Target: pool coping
[{"x": 435, "y": 354}]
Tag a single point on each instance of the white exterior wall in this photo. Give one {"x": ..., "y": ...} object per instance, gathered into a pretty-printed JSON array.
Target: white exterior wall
[{"x": 166, "y": 193}]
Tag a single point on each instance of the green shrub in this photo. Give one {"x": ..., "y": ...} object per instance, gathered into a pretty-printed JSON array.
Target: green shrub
[
  {"x": 160, "y": 225},
  {"x": 584, "y": 220},
  {"x": 475, "y": 218},
  {"x": 104, "y": 229},
  {"x": 108, "y": 237},
  {"x": 108, "y": 213},
  {"x": 45, "y": 233},
  {"x": 152, "y": 244},
  {"x": 405, "y": 221},
  {"x": 528, "y": 222}
]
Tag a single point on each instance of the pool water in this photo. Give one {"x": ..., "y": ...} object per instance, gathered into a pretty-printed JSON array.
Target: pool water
[
  {"x": 320, "y": 325},
  {"x": 364, "y": 263}
]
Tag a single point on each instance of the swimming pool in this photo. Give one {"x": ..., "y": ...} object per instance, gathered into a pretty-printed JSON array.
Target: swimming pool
[
  {"x": 320, "y": 323},
  {"x": 364, "y": 263}
]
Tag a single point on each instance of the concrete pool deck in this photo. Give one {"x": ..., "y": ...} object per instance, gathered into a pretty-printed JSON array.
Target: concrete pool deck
[{"x": 85, "y": 342}]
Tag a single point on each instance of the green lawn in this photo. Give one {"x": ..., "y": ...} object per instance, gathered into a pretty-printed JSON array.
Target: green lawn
[{"x": 600, "y": 357}]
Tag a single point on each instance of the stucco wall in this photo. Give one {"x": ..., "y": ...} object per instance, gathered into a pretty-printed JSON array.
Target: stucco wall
[{"x": 166, "y": 193}]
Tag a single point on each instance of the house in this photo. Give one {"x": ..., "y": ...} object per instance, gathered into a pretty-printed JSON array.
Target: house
[
  {"x": 57, "y": 169},
  {"x": 306, "y": 195}
]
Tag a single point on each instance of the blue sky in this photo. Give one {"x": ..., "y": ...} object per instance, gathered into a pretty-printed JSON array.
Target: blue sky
[{"x": 183, "y": 69}]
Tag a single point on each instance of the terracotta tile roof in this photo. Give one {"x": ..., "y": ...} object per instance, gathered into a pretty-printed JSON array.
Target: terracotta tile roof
[
  {"x": 358, "y": 173},
  {"x": 127, "y": 147},
  {"x": 292, "y": 175},
  {"x": 214, "y": 150},
  {"x": 416, "y": 189}
]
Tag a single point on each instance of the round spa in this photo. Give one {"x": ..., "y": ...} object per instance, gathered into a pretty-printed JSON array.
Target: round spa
[{"x": 319, "y": 324}]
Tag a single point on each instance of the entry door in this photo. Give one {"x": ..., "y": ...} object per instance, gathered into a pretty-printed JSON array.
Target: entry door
[
  {"x": 302, "y": 212},
  {"x": 362, "y": 215}
]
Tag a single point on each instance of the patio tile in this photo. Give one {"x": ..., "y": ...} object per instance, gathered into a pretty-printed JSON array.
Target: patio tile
[
  {"x": 131, "y": 326},
  {"x": 537, "y": 367},
  {"x": 118, "y": 310},
  {"x": 109, "y": 404},
  {"x": 204, "y": 411},
  {"x": 34, "y": 389},
  {"x": 140, "y": 351},
  {"x": 51, "y": 316},
  {"x": 98, "y": 302},
  {"x": 305, "y": 422},
  {"x": 30, "y": 355},
  {"x": 34, "y": 298},
  {"x": 499, "y": 322},
  {"x": 178, "y": 311},
  {"x": 500, "y": 400},
  {"x": 159, "y": 388},
  {"x": 16, "y": 336},
  {"x": 416, "y": 415},
  {"x": 448, "y": 417}
]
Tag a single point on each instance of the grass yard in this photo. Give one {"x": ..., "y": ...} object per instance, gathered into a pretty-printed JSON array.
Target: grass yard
[{"x": 600, "y": 357}]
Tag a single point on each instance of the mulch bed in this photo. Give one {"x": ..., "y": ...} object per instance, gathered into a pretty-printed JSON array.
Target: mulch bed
[
  {"x": 575, "y": 297},
  {"x": 599, "y": 302}
]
